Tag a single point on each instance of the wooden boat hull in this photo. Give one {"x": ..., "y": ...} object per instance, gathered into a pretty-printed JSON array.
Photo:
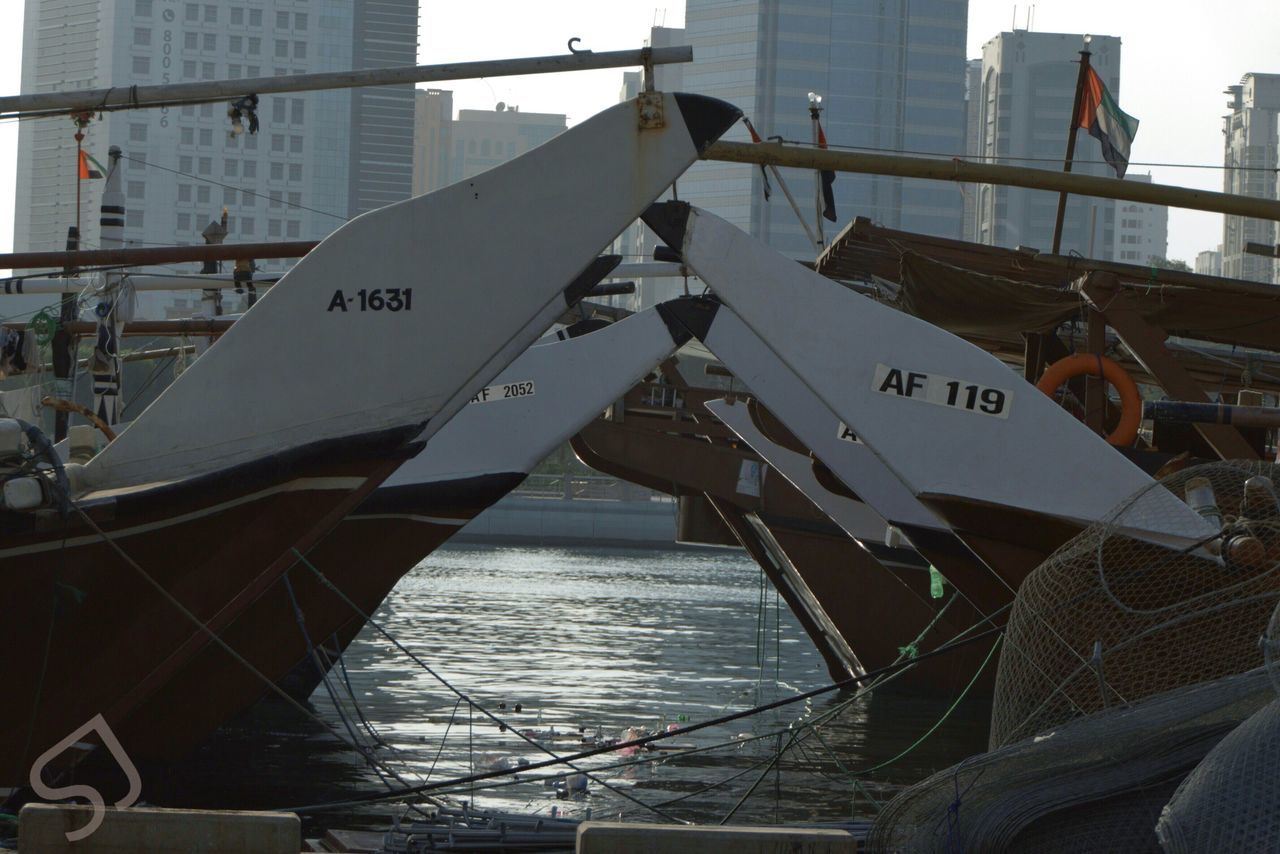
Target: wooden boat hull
[
  {"x": 480, "y": 456},
  {"x": 97, "y": 638}
]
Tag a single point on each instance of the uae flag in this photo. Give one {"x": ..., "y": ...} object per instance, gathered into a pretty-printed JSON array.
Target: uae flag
[
  {"x": 87, "y": 170},
  {"x": 1105, "y": 121}
]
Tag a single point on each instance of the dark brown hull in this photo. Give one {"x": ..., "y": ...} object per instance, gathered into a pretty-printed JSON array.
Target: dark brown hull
[
  {"x": 363, "y": 556},
  {"x": 85, "y": 634}
]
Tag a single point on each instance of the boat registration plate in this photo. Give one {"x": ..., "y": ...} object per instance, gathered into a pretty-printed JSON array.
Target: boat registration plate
[
  {"x": 943, "y": 391},
  {"x": 504, "y": 391}
]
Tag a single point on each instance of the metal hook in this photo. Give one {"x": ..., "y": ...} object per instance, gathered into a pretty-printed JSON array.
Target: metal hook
[{"x": 573, "y": 49}]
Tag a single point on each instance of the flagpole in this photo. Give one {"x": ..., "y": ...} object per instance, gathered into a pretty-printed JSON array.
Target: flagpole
[
  {"x": 1071, "y": 141},
  {"x": 815, "y": 108}
]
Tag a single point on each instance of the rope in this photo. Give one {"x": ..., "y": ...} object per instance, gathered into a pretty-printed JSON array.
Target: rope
[
  {"x": 852, "y": 682},
  {"x": 471, "y": 703}
]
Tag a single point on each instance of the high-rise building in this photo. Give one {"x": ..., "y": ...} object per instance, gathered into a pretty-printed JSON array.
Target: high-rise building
[
  {"x": 1209, "y": 262},
  {"x": 318, "y": 159},
  {"x": 1250, "y": 159},
  {"x": 482, "y": 139},
  {"x": 1028, "y": 92},
  {"x": 891, "y": 74},
  {"x": 1142, "y": 230},
  {"x": 432, "y": 139},
  {"x": 972, "y": 143}
]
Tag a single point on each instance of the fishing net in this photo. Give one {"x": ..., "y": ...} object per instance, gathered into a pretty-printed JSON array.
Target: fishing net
[
  {"x": 1231, "y": 801},
  {"x": 1108, "y": 620},
  {"x": 1095, "y": 783},
  {"x": 1124, "y": 664}
]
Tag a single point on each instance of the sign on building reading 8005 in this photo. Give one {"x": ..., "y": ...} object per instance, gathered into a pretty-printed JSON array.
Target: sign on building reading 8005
[{"x": 943, "y": 391}]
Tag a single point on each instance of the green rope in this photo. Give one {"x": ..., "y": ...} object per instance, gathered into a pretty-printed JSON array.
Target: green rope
[
  {"x": 940, "y": 720},
  {"x": 44, "y": 324}
]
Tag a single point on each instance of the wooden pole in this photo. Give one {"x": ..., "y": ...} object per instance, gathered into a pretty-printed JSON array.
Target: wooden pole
[
  {"x": 967, "y": 172},
  {"x": 156, "y": 255},
  {"x": 1071, "y": 146},
  {"x": 136, "y": 97}
]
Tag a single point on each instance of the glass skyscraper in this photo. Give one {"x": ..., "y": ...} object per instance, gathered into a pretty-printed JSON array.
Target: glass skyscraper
[{"x": 892, "y": 77}]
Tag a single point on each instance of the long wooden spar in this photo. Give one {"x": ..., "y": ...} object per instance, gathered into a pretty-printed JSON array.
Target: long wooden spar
[{"x": 968, "y": 172}]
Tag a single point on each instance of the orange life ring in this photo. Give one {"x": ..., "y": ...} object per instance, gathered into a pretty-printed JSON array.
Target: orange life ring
[{"x": 1091, "y": 364}]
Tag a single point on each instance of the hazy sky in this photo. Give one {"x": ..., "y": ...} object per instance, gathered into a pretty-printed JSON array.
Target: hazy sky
[{"x": 1178, "y": 56}]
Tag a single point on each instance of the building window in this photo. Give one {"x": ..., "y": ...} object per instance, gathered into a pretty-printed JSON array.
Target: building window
[
  {"x": 282, "y": 20},
  {"x": 255, "y": 17},
  {"x": 247, "y": 199},
  {"x": 295, "y": 171},
  {"x": 252, "y": 70},
  {"x": 228, "y": 196},
  {"x": 250, "y": 169},
  {"x": 210, "y": 42},
  {"x": 202, "y": 194},
  {"x": 299, "y": 50},
  {"x": 277, "y": 171},
  {"x": 184, "y": 192},
  {"x": 206, "y": 111},
  {"x": 233, "y": 72},
  {"x": 210, "y": 14},
  {"x": 193, "y": 12},
  {"x": 235, "y": 44},
  {"x": 297, "y": 107},
  {"x": 184, "y": 165},
  {"x": 142, "y": 8},
  {"x": 142, "y": 65},
  {"x": 295, "y": 145},
  {"x": 295, "y": 200},
  {"x": 300, "y": 21},
  {"x": 278, "y": 107},
  {"x": 205, "y": 165},
  {"x": 255, "y": 48},
  {"x": 206, "y": 136},
  {"x": 137, "y": 133},
  {"x": 188, "y": 110},
  {"x": 189, "y": 69},
  {"x": 207, "y": 71},
  {"x": 251, "y": 142},
  {"x": 274, "y": 204},
  {"x": 273, "y": 228},
  {"x": 135, "y": 189},
  {"x": 184, "y": 222},
  {"x": 282, "y": 48},
  {"x": 187, "y": 136},
  {"x": 246, "y": 225},
  {"x": 133, "y": 219},
  {"x": 142, "y": 36},
  {"x": 277, "y": 142},
  {"x": 292, "y": 228},
  {"x": 190, "y": 41},
  {"x": 237, "y": 16}
]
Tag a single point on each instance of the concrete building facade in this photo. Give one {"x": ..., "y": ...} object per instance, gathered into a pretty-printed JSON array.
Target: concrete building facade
[
  {"x": 432, "y": 139},
  {"x": 1250, "y": 157},
  {"x": 891, "y": 74},
  {"x": 318, "y": 159},
  {"x": 1027, "y": 95},
  {"x": 1142, "y": 230},
  {"x": 1209, "y": 262},
  {"x": 482, "y": 139}
]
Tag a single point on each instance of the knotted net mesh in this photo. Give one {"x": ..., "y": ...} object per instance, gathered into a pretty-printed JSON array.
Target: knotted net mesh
[
  {"x": 1109, "y": 619},
  {"x": 1124, "y": 664}
]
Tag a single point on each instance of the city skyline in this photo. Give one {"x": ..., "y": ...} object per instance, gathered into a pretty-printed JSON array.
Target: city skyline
[{"x": 1179, "y": 102}]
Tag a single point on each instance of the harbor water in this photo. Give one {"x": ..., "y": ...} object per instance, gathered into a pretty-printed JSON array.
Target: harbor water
[{"x": 587, "y": 641}]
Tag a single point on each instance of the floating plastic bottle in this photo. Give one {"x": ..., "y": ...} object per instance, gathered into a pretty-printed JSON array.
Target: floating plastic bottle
[{"x": 936, "y": 581}]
